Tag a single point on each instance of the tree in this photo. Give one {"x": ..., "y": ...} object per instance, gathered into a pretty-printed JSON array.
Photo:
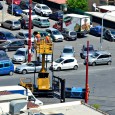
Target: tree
[{"x": 80, "y": 4}]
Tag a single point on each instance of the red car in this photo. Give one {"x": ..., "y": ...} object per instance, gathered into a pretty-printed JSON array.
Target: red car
[
  {"x": 17, "y": 2},
  {"x": 58, "y": 25}
]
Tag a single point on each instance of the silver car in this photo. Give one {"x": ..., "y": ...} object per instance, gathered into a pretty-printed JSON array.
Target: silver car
[
  {"x": 24, "y": 35},
  {"x": 99, "y": 57},
  {"x": 25, "y": 68},
  {"x": 68, "y": 51},
  {"x": 48, "y": 58},
  {"x": 21, "y": 55},
  {"x": 84, "y": 49},
  {"x": 11, "y": 24}
]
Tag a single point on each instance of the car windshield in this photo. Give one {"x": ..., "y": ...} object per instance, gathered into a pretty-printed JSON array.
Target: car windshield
[
  {"x": 17, "y": 7},
  {"x": 27, "y": 35},
  {"x": 56, "y": 32},
  {"x": 30, "y": 64},
  {"x": 95, "y": 55},
  {"x": 90, "y": 49},
  {"x": 10, "y": 36},
  {"x": 66, "y": 50},
  {"x": 73, "y": 33},
  {"x": 44, "y": 20},
  {"x": 16, "y": 22},
  {"x": 20, "y": 53},
  {"x": 45, "y": 7},
  {"x": 113, "y": 32},
  {"x": 59, "y": 60}
]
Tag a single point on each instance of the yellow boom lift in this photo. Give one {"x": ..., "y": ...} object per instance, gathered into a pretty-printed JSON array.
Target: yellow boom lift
[{"x": 43, "y": 81}]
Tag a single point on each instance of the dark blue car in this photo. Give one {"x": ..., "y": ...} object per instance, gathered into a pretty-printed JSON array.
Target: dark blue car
[
  {"x": 56, "y": 15},
  {"x": 5, "y": 35},
  {"x": 17, "y": 11},
  {"x": 96, "y": 30}
]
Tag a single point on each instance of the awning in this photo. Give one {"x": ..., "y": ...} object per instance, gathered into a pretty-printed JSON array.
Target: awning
[{"x": 58, "y": 1}]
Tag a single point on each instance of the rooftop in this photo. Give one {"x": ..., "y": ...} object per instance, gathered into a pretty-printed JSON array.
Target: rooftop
[{"x": 107, "y": 7}]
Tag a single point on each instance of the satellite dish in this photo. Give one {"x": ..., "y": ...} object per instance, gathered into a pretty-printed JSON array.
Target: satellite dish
[{"x": 94, "y": 5}]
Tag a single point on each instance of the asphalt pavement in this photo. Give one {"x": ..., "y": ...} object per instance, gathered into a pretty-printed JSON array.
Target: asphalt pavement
[{"x": 101, "y": 78}]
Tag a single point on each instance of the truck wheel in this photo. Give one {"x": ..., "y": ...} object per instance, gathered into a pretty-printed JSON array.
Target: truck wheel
[
  {"x": 59, "y": 69},
  {"x": 24, "y": 71},
  {"x": 75, "y": 67},
  {"x": 11, "y": 73}
]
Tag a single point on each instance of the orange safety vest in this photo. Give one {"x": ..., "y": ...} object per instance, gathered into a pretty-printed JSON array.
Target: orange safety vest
[
  {"x": 38, "y": 36},
  {"x": 47, "y": 39}
]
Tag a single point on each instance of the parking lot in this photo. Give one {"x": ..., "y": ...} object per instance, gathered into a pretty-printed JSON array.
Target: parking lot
[{"x": 101, "y": 78}]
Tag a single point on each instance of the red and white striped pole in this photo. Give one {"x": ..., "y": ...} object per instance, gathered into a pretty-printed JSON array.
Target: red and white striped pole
[{"x": 29, "y": 40}]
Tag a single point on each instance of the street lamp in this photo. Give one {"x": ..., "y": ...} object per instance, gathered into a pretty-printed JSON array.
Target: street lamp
[{"x": 101, "y": 38}]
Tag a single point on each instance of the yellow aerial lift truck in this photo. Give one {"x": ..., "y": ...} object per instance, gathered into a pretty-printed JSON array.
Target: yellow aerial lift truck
[{"x": 43, "y": 86}]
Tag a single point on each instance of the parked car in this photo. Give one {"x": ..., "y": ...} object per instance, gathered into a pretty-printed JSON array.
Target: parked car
[
  {"x": 68, "y": 51},
  {"x": 56, "y": 15},
  {"x": 25, "y": 14},
  {"x": 24, "y": 4},
  {"x": 30, "y": 67},
  {"x": 17, "y": 11},
  {"x": 17, "y": 2},
  {"x": 64, "y": 63},
  {"x": 109, "y": 34},
  {"x": 55, "y": 34},
  {"x": 21, "y": 55},
  {"x": 11, "y": 45},
  {"x": 42, "y": 9},
  {"x": 24, "y": 36},
  {"x": 11, "y": 24},
  {"x": 96, "y": 30},
  {"x": 84, "y": 49},
  {"x": 6, "y": 35},
  {"x": 58, "y": 25},
  {"x": 1, "y": 7},
  {"x": 3, "y": 55},
  {"x": 41, "y": 22},
  {"x": 6, "y": 67},
  {"x": 99, "y": 57},
  {"x": 69, "y": 35},
  {"x": 25, "y": 23}
]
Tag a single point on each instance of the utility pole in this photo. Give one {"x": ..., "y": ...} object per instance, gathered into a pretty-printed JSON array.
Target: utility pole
[
  {"x": 87, "y": 85},
  {"x": 29, "y": 40}
]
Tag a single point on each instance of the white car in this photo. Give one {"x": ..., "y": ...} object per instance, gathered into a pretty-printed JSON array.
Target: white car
[
  {"x": 25, "y": 14},
  {"x": 64, "y": 63},
  {"x": 42, "y": 9}
]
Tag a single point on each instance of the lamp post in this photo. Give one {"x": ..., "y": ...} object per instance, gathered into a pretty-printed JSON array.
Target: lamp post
[{"x": 101, "y": 38}]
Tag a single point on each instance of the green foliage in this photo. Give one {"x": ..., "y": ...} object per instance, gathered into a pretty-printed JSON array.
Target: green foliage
[
  {"x": 96, "y": 106},
  {"x": 80, "y": 4}
]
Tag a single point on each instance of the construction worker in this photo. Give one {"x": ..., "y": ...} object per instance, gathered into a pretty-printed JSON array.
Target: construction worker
[
  {"x": 47, "y": 39},
  {"x": 38, "y": 36}
]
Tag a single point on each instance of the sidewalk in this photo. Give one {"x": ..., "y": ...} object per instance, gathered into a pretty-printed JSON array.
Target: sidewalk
[{"x": 7, "y": 16}]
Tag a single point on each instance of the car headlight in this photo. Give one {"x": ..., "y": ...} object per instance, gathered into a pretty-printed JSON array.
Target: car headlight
[{"x": 44, "y": 12}]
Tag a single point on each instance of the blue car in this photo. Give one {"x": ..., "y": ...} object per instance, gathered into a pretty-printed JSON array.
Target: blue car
[
  {"x": 96, "y": 30},
  {"x": 17, "y": 11},
  {"x": 6, "y": 35}
]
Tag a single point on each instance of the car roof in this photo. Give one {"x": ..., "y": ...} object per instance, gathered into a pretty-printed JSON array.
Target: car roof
[
  {"x": 67, "y": 57},
  {"x": 89, "y": 45},
  {"x": 5, "y": 32},
  {"x": 42, "y": 4},
  {"x": 103, "y": 52},
  {"x": 70, "y": 47},
  {"x": 42, "y": 17},
  {"x": 25, "y": 31},
  {"x": 22, "y": 49},
  {"x": 51, "y": 28},
  {"x": 13, "y": 20},
  {"x": 27, "y": 10}
]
